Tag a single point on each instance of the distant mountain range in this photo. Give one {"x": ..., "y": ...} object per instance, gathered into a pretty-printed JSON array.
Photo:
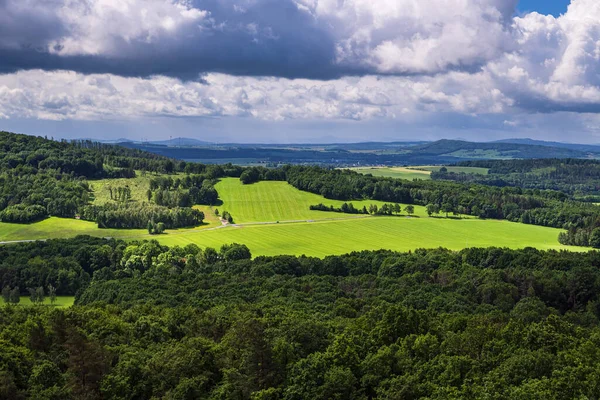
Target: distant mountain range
[
  {"x": 175, "y": 142},
  {"x": 572, "y": 146},
  {"x": 367, "y": 153},
  {"x": 180, "y": 142},
  {"x": 504, "y": 149}
]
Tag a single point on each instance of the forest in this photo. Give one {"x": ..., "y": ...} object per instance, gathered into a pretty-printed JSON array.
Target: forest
[
  {"x": 577, "y": 177},
  {"x": 187, "y": 323},
  {"x": 41, "y": 178}
]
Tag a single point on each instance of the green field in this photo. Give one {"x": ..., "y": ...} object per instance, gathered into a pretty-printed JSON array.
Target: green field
[
  {"x": 278, "y": 201},
  {"x": 395, "y": 172},
  {"x": 371, "y": 233},
  {"x": 274, "y": 218},
  {"x": 61, "y": 301},
  {"x": 485, "y": 154},
  {"x": 420, "y": 172},
  {"x": 54, "y": 227},
  {"x": 458, "y": 170},
  {"x": 138, "y": 185}
]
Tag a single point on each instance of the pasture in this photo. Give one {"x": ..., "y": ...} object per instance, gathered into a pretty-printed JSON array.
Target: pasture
[
  {"x": 371, "y": 233},
  {"x": 270, "y": 201},
  {"x": 138, "y": 185},
  {"x": 458, "y": 170},
  {"x": 274, "y": 218},
  {"x": 55, "y": 228},
  {"x": 394, "y": 172},
  {"x": 61, "y": 301},
  {"x": 419, "y": 172}
]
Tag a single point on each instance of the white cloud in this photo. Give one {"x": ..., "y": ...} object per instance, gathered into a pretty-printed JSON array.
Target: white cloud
[
  {"x": 70, "y": 95},
  {"x": 420, "y": 59},
  {"x": 261, "y": 37},
  {"x": 100, "y": 27},
  {"x": 416, "y": 36},
  {"x": 556, "y": 62}
]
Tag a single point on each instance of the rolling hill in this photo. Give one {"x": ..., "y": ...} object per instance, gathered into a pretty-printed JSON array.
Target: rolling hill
[{"x": 365, "y": 154}]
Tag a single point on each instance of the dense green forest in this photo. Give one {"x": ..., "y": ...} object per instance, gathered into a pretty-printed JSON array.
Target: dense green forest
[
  {"x": 41, "y": 177},
  {"x": 186, "y": 323},
  {"x": 577, "y": 177}
]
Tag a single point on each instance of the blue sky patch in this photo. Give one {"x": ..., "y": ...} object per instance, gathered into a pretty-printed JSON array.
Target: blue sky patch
[{"x": 554, "y": 7}]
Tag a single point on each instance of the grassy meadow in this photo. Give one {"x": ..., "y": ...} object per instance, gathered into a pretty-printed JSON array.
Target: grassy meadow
[
  {"x": 458, "y": 170},
  {"x": 412, "y": 173},
  {"x": 274, "y": 218},
  {"x": 61, "y": 301},
  {"x": 395, "y": 172},
  {"x": 279, "y": 201},
  {"x": 371, "y": 233},
  {"x": 138, "y": 185}
]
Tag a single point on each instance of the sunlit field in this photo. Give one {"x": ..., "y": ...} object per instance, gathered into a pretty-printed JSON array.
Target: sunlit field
[
  {"x": 419, "y": 172},
  {"x": 274, "y": 218},
  {"x": 60, "y": 302}
]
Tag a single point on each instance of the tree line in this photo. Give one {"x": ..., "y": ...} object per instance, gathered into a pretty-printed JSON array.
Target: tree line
[
  {"x": 373, "y": 209},
  {"x": 137, "y": 216},
  {"x": 53, "y": 175}
]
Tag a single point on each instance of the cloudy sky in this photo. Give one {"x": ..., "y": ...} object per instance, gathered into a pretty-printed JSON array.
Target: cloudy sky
[{"x": 301, "y": 70}]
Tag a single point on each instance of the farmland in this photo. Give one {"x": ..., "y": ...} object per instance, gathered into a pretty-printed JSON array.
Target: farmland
[
  {"x": 274, "y": 218},
  {"x": 278, "y": 201},
  {"x": 420, "y": 172},
  {"x": 323, "y": 238},
  {"x": 61, "y": 301},
  {"x": 395, "y": 172},
  {"x": 138, "y": 185},
  {"x": 455, "y": 169}
]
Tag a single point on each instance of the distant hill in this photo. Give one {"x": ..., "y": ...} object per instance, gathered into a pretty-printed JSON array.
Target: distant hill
[
  {"x": 361, "y": 154},
  {"x": 180, "y": 142},
  {"x": 498, "y": 150},
  {"x": 573, "y": 146},
  {"x": 175, "y": 142},
  {"x": 110, "y": 141}
]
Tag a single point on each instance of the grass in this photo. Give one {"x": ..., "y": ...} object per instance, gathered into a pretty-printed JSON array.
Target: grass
[
  {"x": 61, "y": 301},
  {"x": 315, "y": 233},
  {"x": 395, "y": 172},
  {"x": 466, "y": 170},
  {"x": 138, "y": 185},
  {"x": 278, "y": 201},
  {"x": 55, "y": 228},
  {"x": 484, "y": 154},
  {"x": 419, "y": 172},
  {"x": 372, "y": 233}
]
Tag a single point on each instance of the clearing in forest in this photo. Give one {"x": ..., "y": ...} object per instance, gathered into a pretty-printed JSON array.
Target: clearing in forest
[
  {"x": 418, "y": 172},
  {"x": 274, "y": 218}
]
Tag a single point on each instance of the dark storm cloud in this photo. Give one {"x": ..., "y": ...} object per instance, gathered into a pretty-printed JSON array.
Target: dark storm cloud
[
  {"x": 271, "y": 38},
  {"x": 281, "y": 38},
  {"x": 25, "y": 26}
]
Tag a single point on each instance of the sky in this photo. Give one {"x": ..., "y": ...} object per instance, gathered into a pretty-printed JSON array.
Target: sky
[
  {"x": 285, "y": 71},
  {"x": 553, "y": 7}
]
